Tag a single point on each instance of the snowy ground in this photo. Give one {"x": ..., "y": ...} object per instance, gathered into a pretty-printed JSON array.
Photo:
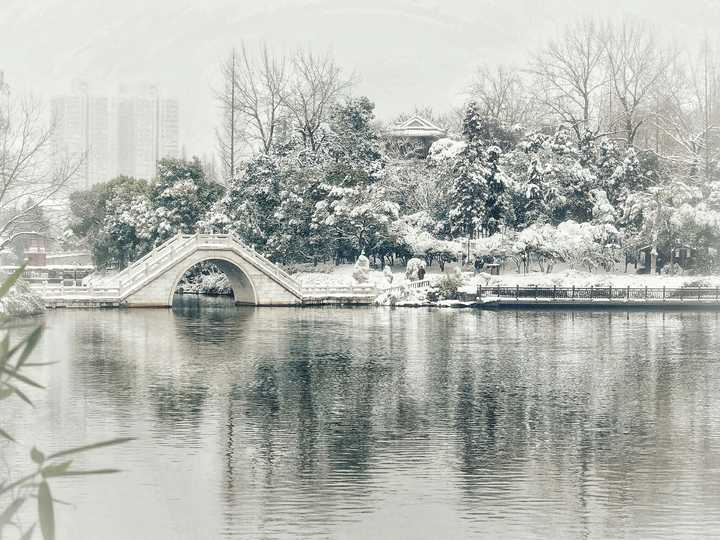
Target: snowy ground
[{"x": 342, "y": 276}]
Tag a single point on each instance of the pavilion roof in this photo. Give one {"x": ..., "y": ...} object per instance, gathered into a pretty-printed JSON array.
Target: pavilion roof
[{"x": 417, "y": 127}]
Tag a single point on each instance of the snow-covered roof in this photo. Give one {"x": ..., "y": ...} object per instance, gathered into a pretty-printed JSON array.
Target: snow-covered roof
[{"x": 417, "y": 127}]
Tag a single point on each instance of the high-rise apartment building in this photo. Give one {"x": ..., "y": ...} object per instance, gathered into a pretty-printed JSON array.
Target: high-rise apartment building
[
  {"x": 148, "y": 130},
  {"x": 84, "y": 129},
  {"x": 124, "y": 135}
]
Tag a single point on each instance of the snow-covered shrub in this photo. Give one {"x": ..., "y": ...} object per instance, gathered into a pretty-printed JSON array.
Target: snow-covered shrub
[
  {"x": 448, "y": 286},
  {"x": 445, "y": 149},
  {"x": 20, "y": 300},
  {"x": 216, "y": 283}
]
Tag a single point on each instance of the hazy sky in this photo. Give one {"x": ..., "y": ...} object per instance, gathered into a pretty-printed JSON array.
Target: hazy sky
[{"x": 405, "y": 52}]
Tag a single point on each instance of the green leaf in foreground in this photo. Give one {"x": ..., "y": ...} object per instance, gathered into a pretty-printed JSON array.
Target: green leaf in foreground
[
  {"x": 58, "y": 469},
  {"x": 28, "y": 534},
  {"x": 22, "y": 378},
  {"x": 30, "y": 343},
  {"x": 19, "y": 393},
  {"x": 10, "y": 281},
  {"x": 38, "y": 364},
  {"x": 88, "y": 473},
  {"x": 91, "y": 447},
  {"x": 37, "y": 456},
  {"x": 7, "y": 515},
  {"x": 5, "y": 434},
  {"x": 7, "y": 487},
  {"x": 46, "y": 512}
]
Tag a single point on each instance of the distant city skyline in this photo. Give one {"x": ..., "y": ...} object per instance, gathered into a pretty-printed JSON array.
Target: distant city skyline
[{"x": 124, "y": 133}]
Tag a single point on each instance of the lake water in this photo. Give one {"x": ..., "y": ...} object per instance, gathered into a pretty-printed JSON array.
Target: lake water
[{"x": 381, "y": 423}]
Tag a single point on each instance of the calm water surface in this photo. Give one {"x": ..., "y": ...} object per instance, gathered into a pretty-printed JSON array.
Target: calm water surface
[{"x": 379, "y": 423}]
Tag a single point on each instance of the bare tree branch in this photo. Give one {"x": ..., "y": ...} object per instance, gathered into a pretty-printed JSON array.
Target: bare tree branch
[
  {"x": 31, "y": 171},
  {"x": 318, "y": 83}
]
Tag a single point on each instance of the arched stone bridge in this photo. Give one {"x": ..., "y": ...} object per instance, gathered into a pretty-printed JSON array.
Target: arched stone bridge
[{"x": 152, "y": 280}]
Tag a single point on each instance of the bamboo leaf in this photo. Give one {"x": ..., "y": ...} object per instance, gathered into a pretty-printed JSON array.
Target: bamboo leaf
[
  {"x": 88, "y": 473},
  {"x": 28, "y": 534},
  {"x": 5, "y": 347},
  {"x": 23, "y": 378},
  {"x": 91, "y": 447},
  {"x": 7, "y": 487},
  {"x": 37, "y": 456},
  {"x": 30, "y": 343},
  {"x": 20, "y": 394},
  {"x": 6, "y": 393},
  {"x": 57, "y": 469},
  {"x": 10, "y": 281},
  {"x": 56, "y": 501},
  {"x": 5, "y": 434},
  {"x": 5, "y": 354},
  {"x": 46, "y": 512},
  {"x": 6, "y": 516},
  {"x": 38, "y": 364}
]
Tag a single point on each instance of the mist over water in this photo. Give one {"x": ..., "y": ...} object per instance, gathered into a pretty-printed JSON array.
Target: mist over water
[{"x": 357, "y": 423}]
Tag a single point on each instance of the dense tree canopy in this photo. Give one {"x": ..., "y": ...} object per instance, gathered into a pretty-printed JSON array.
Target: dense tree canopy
[
  {"x": 565, "y": 160},
  {"x": 123, "y": 219}
]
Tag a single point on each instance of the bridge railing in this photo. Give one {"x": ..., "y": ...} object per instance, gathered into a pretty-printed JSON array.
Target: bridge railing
[
  {"x": 139, "y": 266},
  {"x": 262, "y": 259},
  {"x": 268, "y": 265},
  {"x": 177, "y": 247},
  {"x": 181, "y": 244},
  {"x": 340, "y": 290},
  {"x": 419, "y": 284},
  {"x": 60, "y": 291}
]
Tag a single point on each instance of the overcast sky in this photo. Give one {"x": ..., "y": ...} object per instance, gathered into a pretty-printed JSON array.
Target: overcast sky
[{"x": 405, "y": 52}]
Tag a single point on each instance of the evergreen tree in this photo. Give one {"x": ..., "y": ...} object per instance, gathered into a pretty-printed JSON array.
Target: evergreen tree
[{"x": 480, "y": 201}]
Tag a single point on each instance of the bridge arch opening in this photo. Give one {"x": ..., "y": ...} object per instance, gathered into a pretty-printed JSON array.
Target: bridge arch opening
[{"x": 208, "y": 273}]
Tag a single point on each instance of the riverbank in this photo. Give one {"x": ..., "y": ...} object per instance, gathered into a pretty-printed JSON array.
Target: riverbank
[
  {"x": 452, "y": 288},
  {"x": 337, "y": 276},
  {"x": 567, "y": 288}
]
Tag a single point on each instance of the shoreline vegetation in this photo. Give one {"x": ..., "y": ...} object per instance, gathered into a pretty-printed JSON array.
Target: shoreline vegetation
[
  {"x": 549, "y": 188},
  {"x": 455, "y": 288},
  {"x": 20, "y": 301},
  {"x": 551, "y": 172}
]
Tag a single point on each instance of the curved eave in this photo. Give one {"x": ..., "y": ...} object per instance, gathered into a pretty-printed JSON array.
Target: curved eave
[{"x": 417, "y": 133}]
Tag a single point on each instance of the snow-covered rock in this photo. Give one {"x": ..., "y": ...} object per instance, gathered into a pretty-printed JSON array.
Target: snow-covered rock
[{"x": 361, "y": 271}]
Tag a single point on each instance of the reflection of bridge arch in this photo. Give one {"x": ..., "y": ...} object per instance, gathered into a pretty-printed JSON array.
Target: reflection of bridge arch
[
  {"x": 242, "y": 286},
  {"x": 152, "y": 280}
]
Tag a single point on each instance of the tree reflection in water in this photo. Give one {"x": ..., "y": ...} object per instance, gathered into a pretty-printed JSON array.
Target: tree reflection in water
[{"x": 312, "y": 422}]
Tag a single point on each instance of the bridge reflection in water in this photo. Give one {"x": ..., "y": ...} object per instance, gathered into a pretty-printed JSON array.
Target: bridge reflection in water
[{"x": 357, "y": 423}]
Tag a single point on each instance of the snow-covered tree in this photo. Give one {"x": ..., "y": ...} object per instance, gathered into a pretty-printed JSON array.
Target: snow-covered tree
[
  {"x": 355, "y": 218},
  {"x": 125, "y": 218},
  {"x": 650, "y": 216},
  {"x": 479, "y": 197}
]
